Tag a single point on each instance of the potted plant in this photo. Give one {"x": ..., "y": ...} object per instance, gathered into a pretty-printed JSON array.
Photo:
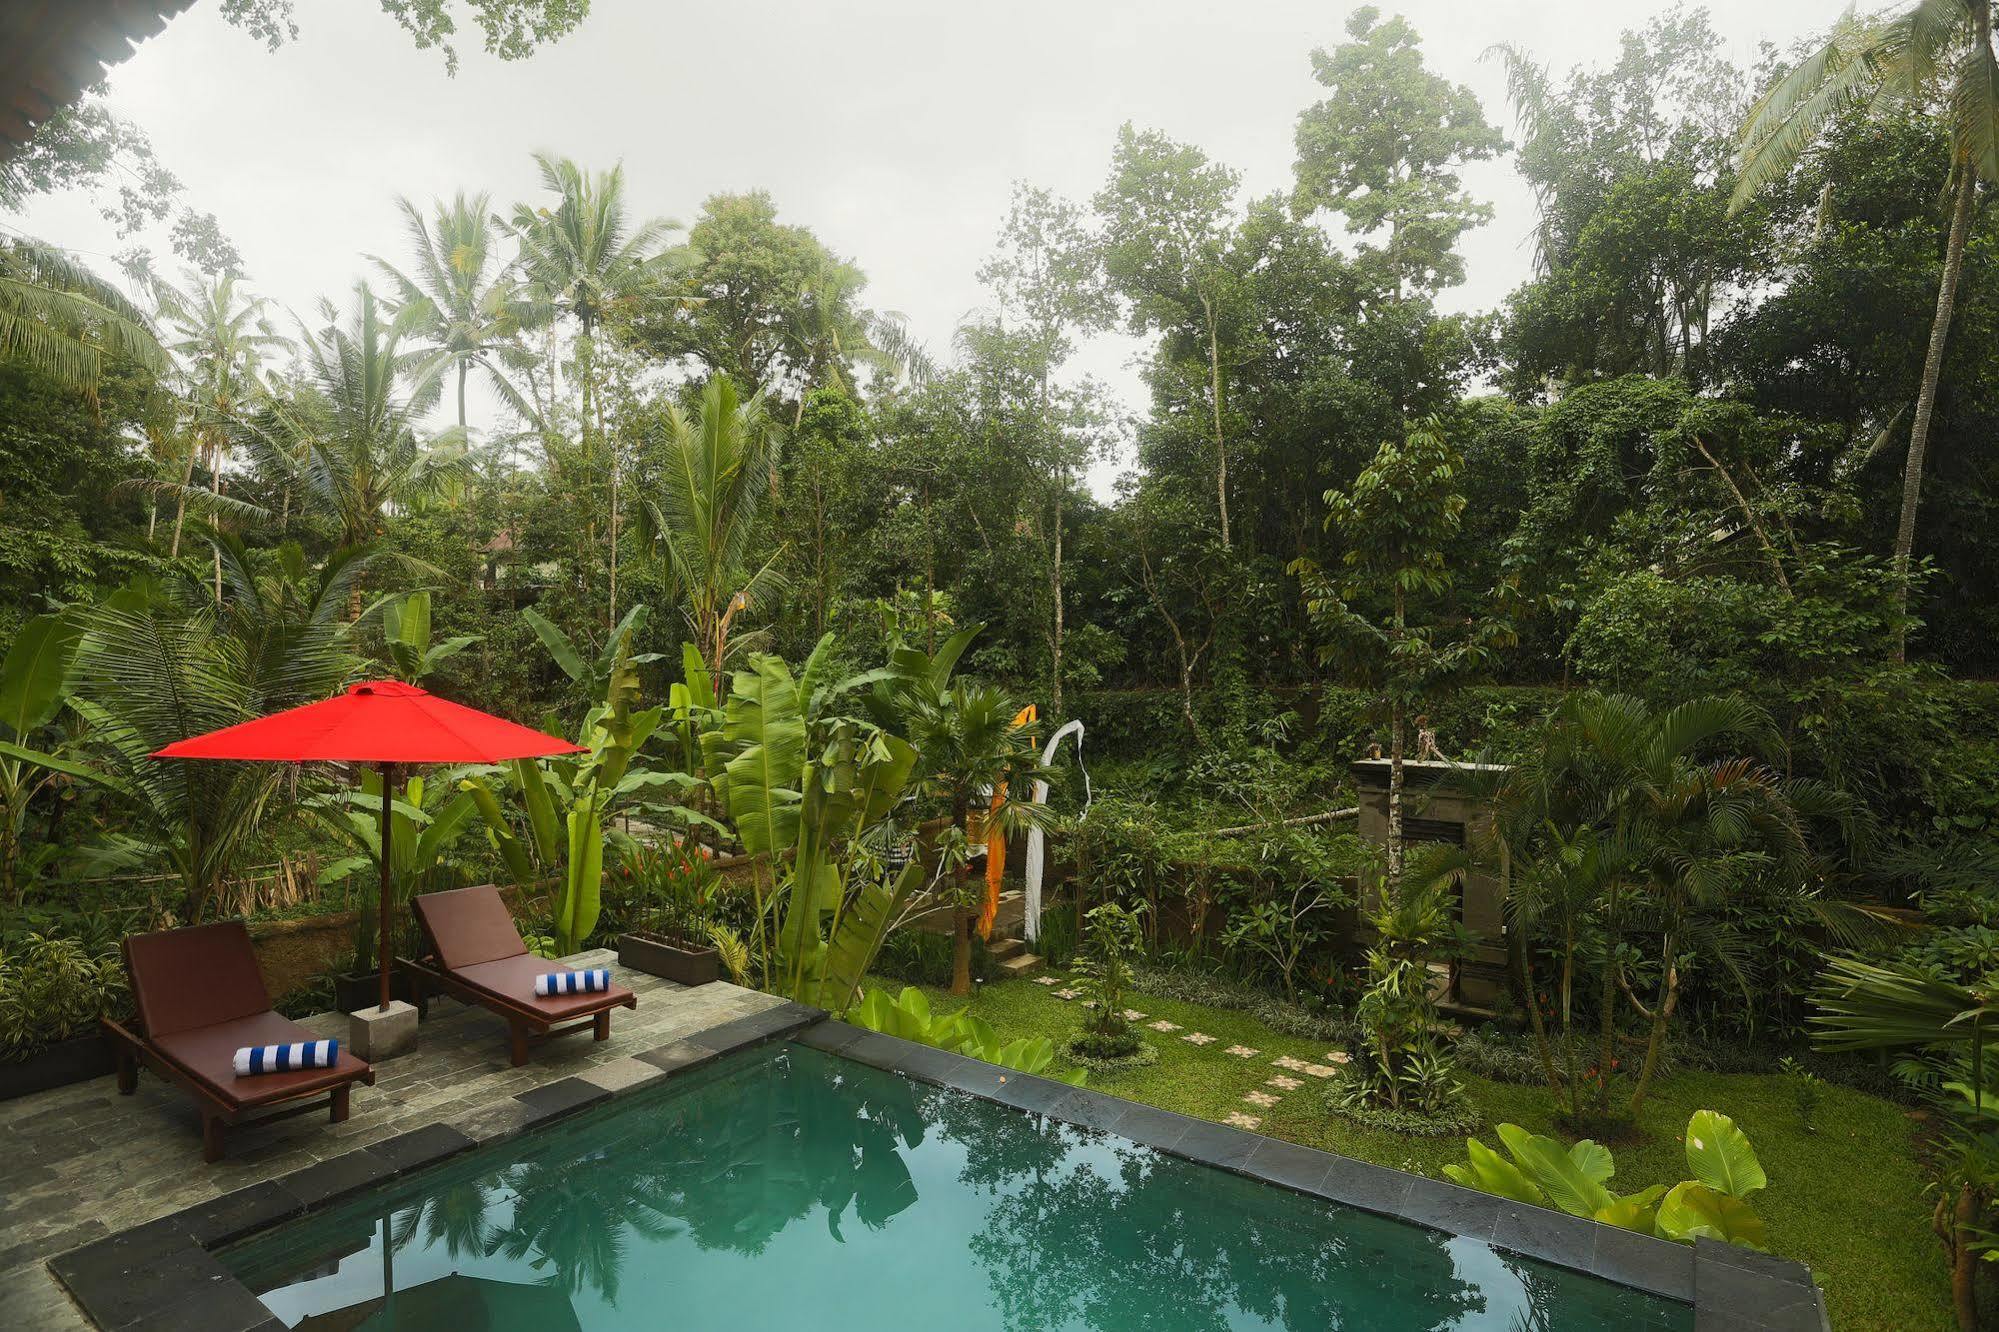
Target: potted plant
[
  {"x": 52, "y": 992},
  {"x": 670, "y": 938}
]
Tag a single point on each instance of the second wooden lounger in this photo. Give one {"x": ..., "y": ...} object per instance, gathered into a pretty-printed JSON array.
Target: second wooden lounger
[{"x": 475, "y": 954}]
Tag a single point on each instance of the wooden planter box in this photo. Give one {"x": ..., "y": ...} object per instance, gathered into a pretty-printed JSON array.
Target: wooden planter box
[
  {"x": 74, "y": 1060},
  {"x": 356, "y": 991},
  {"x": 656, "y": 957}
]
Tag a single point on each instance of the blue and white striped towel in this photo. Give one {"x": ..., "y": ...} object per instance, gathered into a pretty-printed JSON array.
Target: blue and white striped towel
[
  {"x": 284, "y": 1058},
  {"x": 573, "y": 982}
]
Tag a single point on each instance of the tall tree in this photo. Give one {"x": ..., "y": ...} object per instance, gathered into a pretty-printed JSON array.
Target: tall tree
[
  {"x": 219, "y": 336},
  {"x": 1384, "y": 150},
  {"x": 1939, "y": 50},
  {"x": 354, "y": 438},
  {"x": 584, "y": 261},
  {"x": 460, "y": 297},
  {"x": 1168, "y": 218},
  {"x": 1048, "y": 281}
]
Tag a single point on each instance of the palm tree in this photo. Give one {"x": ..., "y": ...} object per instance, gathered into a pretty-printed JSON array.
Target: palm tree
[
  {"x": 1932, "y": 42},
  {"x": 353, "y": 435},
  {"x": 460, "y": 297},
  {"x": 1904, "y": 1006},
  {"x": 972, "y": 742},
  {"x": 162, "y": 664},
  {"x": 65, "y": 321},
  {"x": 718, "y": 469},
  {"x": 219, "y": 336},
  {"x": 1643, "y": 820},
  {"x": 583, "y": 261}
]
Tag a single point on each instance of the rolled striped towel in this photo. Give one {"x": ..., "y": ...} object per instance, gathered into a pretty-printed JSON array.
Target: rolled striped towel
[
  {"x": 284, "y": 1058},
  {"x": 573, "y": 982}
]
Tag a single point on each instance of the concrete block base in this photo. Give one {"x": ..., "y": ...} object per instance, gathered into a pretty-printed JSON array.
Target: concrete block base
[{"x": 376, "y": 1033}]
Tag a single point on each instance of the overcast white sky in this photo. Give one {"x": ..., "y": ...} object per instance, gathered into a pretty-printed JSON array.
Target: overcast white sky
[{"x": 893, "y": 130}]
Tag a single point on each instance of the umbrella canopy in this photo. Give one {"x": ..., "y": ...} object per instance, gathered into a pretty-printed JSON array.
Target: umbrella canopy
[{"x": 383, "y": 722}]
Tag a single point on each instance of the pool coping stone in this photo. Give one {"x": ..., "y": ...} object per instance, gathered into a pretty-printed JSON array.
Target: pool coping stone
[
  {"x": 1729, "y": 1287},
  {"x": 163, "y": 1274}
]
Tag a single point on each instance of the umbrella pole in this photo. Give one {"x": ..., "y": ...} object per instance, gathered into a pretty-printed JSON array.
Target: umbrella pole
[{"x": 388, "y": 898}]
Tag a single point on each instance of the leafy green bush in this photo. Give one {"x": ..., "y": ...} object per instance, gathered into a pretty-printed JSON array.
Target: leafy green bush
[
  {"x": 1713, "y": 1204},
  {"x": 1111, "y": 941},
  {"x": 52, "y": 989},
  {"x": 908, "y": 1016}
]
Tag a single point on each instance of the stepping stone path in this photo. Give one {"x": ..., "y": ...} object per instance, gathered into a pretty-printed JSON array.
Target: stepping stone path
[
  {"x": 1337, "y": 1056},
  {"x": 1264, "y": 1100},
  {"x": 1237, "y": 1119},
  {"x": 1283, "y": 1083},
  {"x": 1198, "y": 1038},
  {"x": 1319, "y": 1070},
  {"x": 1047, "y": 980},
  {"x": 1133, "y": 1015},
  {"x": 1242, "y": 1052},
  {"x": 1163, "y": 1025},
  {"x": 1067, "y": 994},
  {"x": 1290, "y": 1064}
]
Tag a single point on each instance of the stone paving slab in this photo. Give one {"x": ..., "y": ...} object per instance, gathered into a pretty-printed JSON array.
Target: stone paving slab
[{"x": 81, "y": 1162}]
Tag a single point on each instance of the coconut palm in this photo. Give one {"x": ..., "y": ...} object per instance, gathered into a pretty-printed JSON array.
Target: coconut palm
[
  {"x": 65, "y": 321},
  {"x": 460, "y": 297},
  {"x": 352, "y": 434},
  {"x": 703, "y": 526},
  {"x": 219, "y": 336},
  {"x": 584, "y": 261},
  {"x": 1932, "y": 47}
]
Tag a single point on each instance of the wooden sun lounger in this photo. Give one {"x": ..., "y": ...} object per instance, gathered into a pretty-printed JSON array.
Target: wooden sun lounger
[
  {"x": 476, "y": 955},
  {"x": 200, "y": 998}
]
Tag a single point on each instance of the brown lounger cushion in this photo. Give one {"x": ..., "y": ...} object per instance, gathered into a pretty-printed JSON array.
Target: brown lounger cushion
[
  {"x": 194, "y": 977},
  {"x": 209, "y": 1054},
  {"x": 513, "y": 979},
  {"x": 468, "y": 926}
]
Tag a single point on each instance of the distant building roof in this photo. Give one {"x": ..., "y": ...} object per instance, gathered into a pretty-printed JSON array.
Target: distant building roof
[{"x": 51, "y": 50}]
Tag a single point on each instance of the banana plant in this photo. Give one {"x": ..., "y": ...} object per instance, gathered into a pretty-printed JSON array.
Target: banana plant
[
  {"x": 802, "y": 784},
  {"x": 593, "y": 674},
  {"x": 1714, "y": 1203},
  {"x": 406, "y": 638},
  {"x": 34, "y": 685},
  {"x": 566, "y": 803},
  {"x": 426, "y": 818},
  {"x": 908, "y": 1016}
]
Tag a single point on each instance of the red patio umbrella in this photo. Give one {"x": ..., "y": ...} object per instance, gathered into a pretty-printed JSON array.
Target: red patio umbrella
[{"x": 383, "y": 722}]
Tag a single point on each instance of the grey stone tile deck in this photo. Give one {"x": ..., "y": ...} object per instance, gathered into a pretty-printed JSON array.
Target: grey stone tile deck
[{"x": 82, "y": 1162}]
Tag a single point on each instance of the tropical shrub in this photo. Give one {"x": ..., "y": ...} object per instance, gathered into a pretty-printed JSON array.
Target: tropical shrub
[
  {"x": 908, "y": 1016},
  {"x": 52, "y": 989},
  {"x": 1713, "y": 1204},
  {"x": 1111, "y": 940}
]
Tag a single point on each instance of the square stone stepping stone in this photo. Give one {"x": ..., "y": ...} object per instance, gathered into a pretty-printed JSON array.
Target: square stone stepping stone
[
  {"x": 1289, "y": 1064},
  {"x": 1262, "y": 1100},
  {"x": 1337, "y": 1056},
  {"x": 1047, "y": 980},
  {"x": 1133, "y": 1015},
  {"x": 1283, "y": 1083},
  {"x": 1067, "y": 994},
  {"x": 1163, "y": 1025},
  {"x": 1198, "y": 1038},
  {"x": 1319, "y": 1070},
  {"x": 1237, "y": 1119},
  {"x": 1242, "y": 1051}
]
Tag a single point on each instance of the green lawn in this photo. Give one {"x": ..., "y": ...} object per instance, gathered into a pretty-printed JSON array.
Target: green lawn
[{"x": 1847, "y": 1200}]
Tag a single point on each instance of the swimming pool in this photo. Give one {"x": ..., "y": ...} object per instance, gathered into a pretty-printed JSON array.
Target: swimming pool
[{"x": 785, "y": 1186}]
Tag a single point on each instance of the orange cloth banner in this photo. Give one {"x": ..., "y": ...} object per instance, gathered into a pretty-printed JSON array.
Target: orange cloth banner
[{"x": 996, "y": 843}]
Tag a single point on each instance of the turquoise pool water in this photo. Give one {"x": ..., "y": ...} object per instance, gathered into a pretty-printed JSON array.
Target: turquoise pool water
[{"x": 787, "y": 1188}]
